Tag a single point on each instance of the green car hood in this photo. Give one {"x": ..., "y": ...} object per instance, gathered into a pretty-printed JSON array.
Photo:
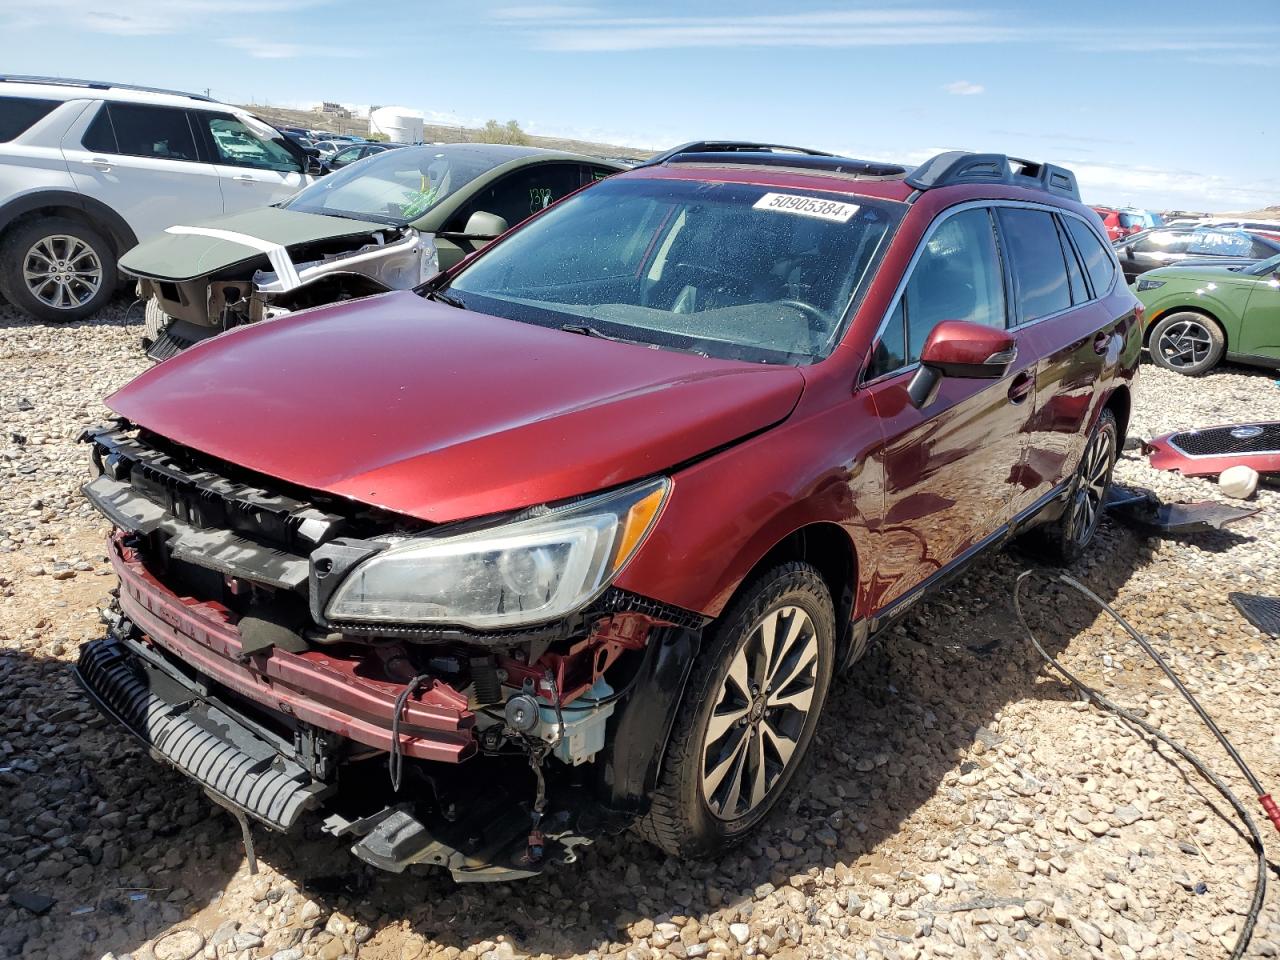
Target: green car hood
[
  {"x": 185, "y": 256},
  {"x": 1196, "y": 274}
]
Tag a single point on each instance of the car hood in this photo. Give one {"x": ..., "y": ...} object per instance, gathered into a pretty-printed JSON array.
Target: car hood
[
  {"x": 443, "y": 414},
  {"x": 185, "y": 256},
  {"x": 1195, "y": 273}
]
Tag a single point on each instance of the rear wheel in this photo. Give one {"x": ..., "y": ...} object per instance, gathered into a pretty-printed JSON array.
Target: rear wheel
[
  {"x": 748, "y": 715},
  {"x": 1067, "y": 538},
  {"x": 57, "y": 269},
  {"x": 1187, "y": 343}
]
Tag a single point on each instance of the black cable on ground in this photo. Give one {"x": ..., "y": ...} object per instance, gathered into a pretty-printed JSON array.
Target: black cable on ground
[{"x": 1268, "y": 805}]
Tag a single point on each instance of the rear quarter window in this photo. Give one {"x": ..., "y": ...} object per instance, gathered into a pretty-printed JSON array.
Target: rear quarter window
[
  {"x": 1098, "y": 260},
  {"x": 20, "y": 114}
]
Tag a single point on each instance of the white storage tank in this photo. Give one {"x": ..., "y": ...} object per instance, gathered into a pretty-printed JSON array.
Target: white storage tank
[{"x": 400, "y": 124}]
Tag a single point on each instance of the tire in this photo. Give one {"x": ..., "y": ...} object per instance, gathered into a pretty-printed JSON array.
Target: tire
[
  {"x": 77, "y": 286},
  {"x": 1066, "y": 539},
  {"x": 154, "y": 322},
  {"x": 696, "y": 811},
  {"x": 1187, "y": 343}
]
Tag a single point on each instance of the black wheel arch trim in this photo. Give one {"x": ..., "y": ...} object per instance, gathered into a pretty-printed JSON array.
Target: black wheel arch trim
[
  {"x": 640, "y": 728},
  {"x": 96, "y": 213}
]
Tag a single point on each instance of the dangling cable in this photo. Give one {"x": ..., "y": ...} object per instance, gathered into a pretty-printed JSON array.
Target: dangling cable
[
  {"x": 395, "y": 763},
  {"x": 1268, "y": 805}
]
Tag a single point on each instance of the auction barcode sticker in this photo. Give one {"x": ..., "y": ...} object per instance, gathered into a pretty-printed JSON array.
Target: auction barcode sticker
[{"x": 832, "y": 210}]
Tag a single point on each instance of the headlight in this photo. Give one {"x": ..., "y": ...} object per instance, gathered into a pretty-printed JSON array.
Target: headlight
[
  {"x": 509, "y": 575},
  {"x": 1145, "y": 284}
]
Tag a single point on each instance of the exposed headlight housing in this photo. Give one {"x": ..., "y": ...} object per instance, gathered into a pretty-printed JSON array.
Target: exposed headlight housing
[
  {"x": 1145, "y": 284},
  {"x": 512, "y": 574}
]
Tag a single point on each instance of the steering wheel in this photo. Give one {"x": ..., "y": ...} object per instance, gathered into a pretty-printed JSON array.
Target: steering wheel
[{"x": 818, "y": 321}]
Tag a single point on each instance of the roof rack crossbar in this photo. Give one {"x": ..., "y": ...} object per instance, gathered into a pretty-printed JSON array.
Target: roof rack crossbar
[
  {"x": 957, "y": 167},
  {"x": 101, "y": 85}
]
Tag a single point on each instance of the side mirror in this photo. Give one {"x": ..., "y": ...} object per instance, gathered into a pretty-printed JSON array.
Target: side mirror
[
  {"x": 484, "y": 226},
  {"x": 958, "y": 348}
]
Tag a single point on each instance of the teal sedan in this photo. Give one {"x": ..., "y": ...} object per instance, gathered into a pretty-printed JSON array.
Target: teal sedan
[{"x": 1198, "y": 315}]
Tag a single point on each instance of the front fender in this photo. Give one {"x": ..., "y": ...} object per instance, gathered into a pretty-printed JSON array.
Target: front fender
[{"x": 725, "y": 513}]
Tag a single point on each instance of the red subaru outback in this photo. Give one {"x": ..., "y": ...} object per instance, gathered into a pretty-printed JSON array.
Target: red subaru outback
[{"x": 577, "y": 534}]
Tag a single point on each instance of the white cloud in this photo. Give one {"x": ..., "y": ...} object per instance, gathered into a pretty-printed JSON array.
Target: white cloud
[
  {"x": 586, "y": 30},
  {"x": 963, "y": 88},
  {"x": 139, "y": 18},
  {"x": 543, "y": 12},
  {"x": 282, "y": 50},
  {"x": 1158, "y": 187}
]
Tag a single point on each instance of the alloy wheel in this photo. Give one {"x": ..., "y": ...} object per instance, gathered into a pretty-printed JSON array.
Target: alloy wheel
[
  {"x": 1091, "y": 487},
  {"x": 760, "y": 712},
  {"x": 62, "y": 271},
  {"x": 1185, "y": 344}
]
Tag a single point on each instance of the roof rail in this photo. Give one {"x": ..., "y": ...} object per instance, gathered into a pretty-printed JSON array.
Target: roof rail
[
  {"x": 729, "y": 146},
  {"x": 959, "y": 167},
  {"x": 101, "y": 85},
  {"x": 774, "y": 155}
]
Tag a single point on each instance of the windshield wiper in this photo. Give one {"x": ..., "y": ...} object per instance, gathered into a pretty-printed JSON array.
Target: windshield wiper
[
  {"x": 583, "y": 330},
  {"x": 441, "y": 297}
]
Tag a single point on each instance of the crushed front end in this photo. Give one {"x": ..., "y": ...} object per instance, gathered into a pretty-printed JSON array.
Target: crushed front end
[
  {"x": 275, "y": 279},
  {"x": 489, "y": 750}
]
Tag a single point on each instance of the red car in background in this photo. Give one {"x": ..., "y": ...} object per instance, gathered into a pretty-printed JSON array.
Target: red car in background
[
  {"x": 1125, "y": 223},
  {"x": 578, "y": 533}
]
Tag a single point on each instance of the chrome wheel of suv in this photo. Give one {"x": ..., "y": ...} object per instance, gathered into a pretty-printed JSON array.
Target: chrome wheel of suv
[
  {"x": 62, "y": 272},
  {"x": 1091, "y": 485},
  {"x": 760, "y": 712},
  {"x": 1067, "y": 537},
  {"x": 56, "y": 269},
  {"x": 748, "y": 713}
]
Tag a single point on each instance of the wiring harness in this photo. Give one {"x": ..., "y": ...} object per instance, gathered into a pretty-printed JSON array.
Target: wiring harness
[{"x": 1264, "y": 798}]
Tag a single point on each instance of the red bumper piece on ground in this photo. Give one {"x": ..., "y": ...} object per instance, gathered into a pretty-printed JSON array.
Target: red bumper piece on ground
[
  {"x": 1209, "y": 451},
  {"x": 340, "y": 694}
]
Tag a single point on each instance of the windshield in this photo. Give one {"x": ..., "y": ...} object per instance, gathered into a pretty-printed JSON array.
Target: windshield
[
  {"x": 1263, "y": 267},
  {"x": 729, "y": 270},
  {"x": 397, "y": 186}
]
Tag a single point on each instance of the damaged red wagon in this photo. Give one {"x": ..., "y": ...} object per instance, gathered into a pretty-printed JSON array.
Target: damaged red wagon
[{"x": 576, "y": 535}]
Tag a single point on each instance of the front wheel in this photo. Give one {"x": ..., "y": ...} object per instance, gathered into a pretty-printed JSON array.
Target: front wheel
[
  {"x": 1186, "y": 343},
  {"x": 748, "y": 715},
  {"x": 57, "y": 269}
]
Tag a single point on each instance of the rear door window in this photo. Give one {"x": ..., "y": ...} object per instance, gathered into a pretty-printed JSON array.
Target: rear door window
[
  {"x": 1035, "y": 258},
  {"x": 19, "y": 114},
  {"x": 135, "y": 130},
  {"x": 957, "y": 277},
  {"x": 1075, "y": 275},
  {"x": 1098, "y": 261}
]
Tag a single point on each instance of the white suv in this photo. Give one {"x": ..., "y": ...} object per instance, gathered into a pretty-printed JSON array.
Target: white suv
[{"x": 89, "y": 169}]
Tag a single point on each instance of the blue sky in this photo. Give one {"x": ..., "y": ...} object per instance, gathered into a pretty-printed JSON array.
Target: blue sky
[{"x": 1153, "y": 103}]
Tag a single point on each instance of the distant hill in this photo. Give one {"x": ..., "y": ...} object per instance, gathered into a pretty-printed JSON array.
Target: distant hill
[{"x": 359, "y": 126}]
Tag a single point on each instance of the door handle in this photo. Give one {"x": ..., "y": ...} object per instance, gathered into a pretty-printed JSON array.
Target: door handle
[
  {"x": 244, "y": 178},
  {"x": 102, "y": 163},
  {"x": 1101, "y": 341},
  {"x": 1021, "y": 387}
]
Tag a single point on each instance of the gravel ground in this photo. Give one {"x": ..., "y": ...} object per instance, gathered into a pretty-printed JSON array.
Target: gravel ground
[{"x": 961, "y": 803}]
